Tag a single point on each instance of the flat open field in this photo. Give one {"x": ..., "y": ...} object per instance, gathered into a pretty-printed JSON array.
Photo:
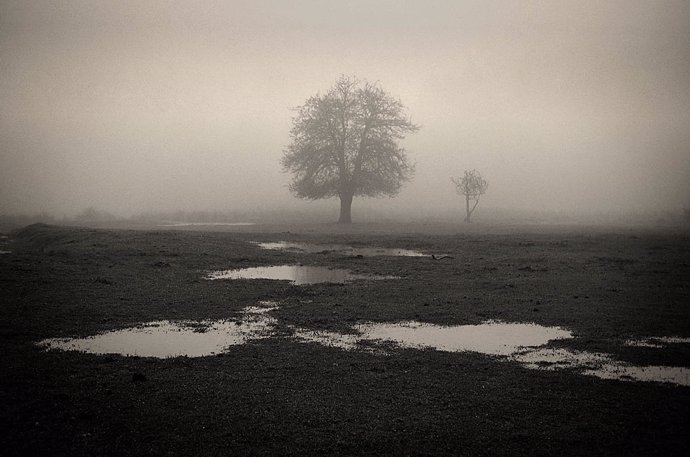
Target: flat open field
[{"x": 282, "y": 395}]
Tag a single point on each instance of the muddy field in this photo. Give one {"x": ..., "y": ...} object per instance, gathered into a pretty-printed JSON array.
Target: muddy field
[{"x": 282, "y": 395}]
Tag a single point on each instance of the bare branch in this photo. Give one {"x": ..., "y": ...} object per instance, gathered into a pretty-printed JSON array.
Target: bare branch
[{"x": 472, "y": 186}]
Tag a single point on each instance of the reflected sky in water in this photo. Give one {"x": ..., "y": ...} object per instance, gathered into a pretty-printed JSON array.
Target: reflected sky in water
[
  {"x": 164, "y": 339},
  {"x": 527, "y": 344},
  {"x": 297, "y": 274},
  {"x": 340, "y": 249}
]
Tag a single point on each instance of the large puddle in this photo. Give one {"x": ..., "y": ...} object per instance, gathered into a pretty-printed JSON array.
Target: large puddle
[
  {"x": 297, "y": 274},
  {"x": 525, "y": 344},
  {"x": 340, "y": 249},
  {"x": 491, "y": 337},
  {"x": 164, "y": 339}
]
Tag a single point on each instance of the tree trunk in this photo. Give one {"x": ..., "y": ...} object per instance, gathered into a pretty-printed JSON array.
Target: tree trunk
[
  {"x": 467, "y": 208},
  {"x": 345, "y": 209}
]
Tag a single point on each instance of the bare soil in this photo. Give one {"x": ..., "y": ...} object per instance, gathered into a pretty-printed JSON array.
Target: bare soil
[{"x": 278, "y": 396}]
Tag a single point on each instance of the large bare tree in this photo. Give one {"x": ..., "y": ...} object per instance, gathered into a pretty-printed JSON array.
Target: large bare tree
[
  {"x": 472, "y": 186},
  {"x": 345, "y": 144}
]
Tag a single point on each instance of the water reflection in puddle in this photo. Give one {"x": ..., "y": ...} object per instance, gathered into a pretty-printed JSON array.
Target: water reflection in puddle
[
  {"x": 164, "y": 339},
  {"x": 526, "y": 344},
  {"x": 491, "y": 338},
  {"x": 624, "y": 372},
  {"x": 600, "y": 365},
  {"x": 341, "y": 249},
  {"x": 521, "y": 343},
  {"x": 297, "y": 274},
  {"x": 657, "y": 342}
]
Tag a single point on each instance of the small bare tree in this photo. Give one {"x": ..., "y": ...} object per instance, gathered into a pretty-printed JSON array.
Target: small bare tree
[{"x": 472, "y": 186}]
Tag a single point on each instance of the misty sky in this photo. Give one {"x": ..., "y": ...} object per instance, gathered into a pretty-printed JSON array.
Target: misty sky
[{"x": 131, "y": 106}]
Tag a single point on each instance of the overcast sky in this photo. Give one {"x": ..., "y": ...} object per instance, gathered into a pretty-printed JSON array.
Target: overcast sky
[{"x": 138, "y": 105}]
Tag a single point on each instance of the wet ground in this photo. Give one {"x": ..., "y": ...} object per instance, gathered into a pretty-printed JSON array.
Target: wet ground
[{"x": 500, "y": 349}]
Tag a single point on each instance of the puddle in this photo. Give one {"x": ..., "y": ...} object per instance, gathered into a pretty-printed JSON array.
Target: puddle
[
  {"x": 521, "y": 343},
  {"x": 657, "y": 342},
  {"x": 624, "y": 372},
  {"x": 491, "y": 338},
  {"x": 165, "y": 339},
  {"x": 340, "y": 249},
  {"x": 525, "y": 344},
  {"x": 602, "y": 366},
  {"x": 210, "y": 224},
  {"x": 297, "y": 274},
  {"x": 5, "y": 252}
]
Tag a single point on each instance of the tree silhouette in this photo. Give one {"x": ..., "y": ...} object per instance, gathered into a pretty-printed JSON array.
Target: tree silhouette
[
  {"x": 345, "y": 144},
  {"x": 472, "y": 186}
]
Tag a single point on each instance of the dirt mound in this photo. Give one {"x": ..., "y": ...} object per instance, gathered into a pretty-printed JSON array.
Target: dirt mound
[{"x": 41, "y": 235}]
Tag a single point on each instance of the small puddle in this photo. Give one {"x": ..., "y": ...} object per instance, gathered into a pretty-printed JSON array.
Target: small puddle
[
  {"x": 5, "y": 252},
  {"x": 657, "y": 342},
  {"x": 624, "y": 372},
  {"x": 297, "y": 274},
  {"x": 165, "y": 339},
  {"x": 600, "y": 365},
  {"x": 340, "y": 249}
]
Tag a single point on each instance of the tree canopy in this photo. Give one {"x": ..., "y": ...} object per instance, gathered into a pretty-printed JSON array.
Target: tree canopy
[
  {"x": 345, "y": 144},
  {"x": 472, "y": 186}
]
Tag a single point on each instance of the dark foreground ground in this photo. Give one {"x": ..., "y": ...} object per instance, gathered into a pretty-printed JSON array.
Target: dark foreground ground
[{"x": 277, "y": 396}]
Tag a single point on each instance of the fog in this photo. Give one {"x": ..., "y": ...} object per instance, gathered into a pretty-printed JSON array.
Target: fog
[{"x": 131, "y": 106}]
